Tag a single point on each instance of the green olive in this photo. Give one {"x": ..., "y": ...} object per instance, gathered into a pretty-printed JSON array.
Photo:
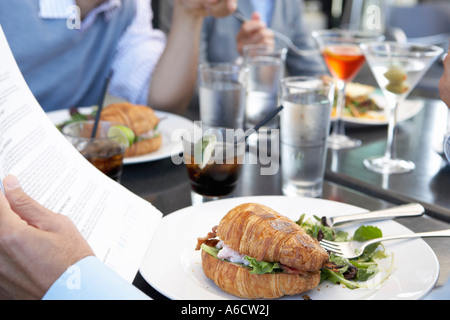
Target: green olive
[
  {"x": 397, "y": 88},
  {"x": 395, "y": 75}
]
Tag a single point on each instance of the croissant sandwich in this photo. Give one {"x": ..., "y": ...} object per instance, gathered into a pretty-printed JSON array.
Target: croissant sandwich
[
  {"x": 255, "y": 252},
  {"x": 142, "y": 120}
]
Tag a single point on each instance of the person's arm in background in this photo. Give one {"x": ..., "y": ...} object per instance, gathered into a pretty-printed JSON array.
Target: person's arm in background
[
  {"x": 174, "y": 79},
  {"x": 43, "y": 255}
]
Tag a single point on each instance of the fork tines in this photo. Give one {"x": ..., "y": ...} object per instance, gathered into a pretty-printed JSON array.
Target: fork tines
[{"x": 330, "y": 246}]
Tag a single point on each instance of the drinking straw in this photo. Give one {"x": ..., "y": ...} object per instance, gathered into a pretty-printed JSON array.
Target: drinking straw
[
  {"x": 100, "y": 106},
  {"x": 265, "y": 120}
]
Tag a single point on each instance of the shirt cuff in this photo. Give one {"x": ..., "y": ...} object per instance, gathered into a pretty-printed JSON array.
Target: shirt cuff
[{"x": 91, "y": 279}]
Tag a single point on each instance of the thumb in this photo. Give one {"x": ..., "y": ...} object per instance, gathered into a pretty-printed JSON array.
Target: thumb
[
  {"x": 27, "y": 208},
  {"x": 256, "y": 16}
]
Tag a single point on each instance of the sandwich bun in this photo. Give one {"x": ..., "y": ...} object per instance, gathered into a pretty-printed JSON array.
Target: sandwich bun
[
  {"x": 238, "y": 281},
  {"x": 257, "y": 231},
  {"x": 141, "y": 119},
  {"x": 262, "y": 233}
]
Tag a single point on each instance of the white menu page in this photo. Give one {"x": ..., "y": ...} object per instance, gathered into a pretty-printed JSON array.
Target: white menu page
[{"x": 115, "y": 222}]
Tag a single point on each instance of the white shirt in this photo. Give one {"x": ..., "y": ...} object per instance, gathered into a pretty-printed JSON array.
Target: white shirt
[{"x": 137, "y": 52}]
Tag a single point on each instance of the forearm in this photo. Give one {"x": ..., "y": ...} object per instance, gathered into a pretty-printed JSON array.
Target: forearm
[{"x": 174, "y": 79}]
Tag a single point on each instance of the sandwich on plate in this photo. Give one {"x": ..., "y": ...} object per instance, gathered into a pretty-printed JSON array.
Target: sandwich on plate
[
  {"x": 142, "y": 120},
  {"x": 255, "y": 252}
]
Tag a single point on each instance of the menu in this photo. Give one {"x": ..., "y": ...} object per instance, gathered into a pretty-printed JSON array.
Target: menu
[{"x": 116, "y": 223}]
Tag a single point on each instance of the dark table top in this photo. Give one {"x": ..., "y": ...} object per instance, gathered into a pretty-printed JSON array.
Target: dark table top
[
  {"x": 166, "y": 185},
  {"x": 417, "y": 140}
]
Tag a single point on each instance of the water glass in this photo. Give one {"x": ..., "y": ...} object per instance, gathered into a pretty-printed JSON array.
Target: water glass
[
  {"x": 222, "y": 91},
  {"x": 104, "y": 152},
  {"x": 266, "y": 67},
  {"x": 304, "y": 130}
]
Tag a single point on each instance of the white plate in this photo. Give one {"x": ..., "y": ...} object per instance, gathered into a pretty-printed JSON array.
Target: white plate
[
  {"x": 173, "y": 267},
  {"x": 406, "y": 110},
  {"x": 169, "y": 124}
]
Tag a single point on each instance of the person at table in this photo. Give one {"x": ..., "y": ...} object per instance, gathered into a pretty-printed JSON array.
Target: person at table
[
  {"x": 224, "y": 38},
  {"x": 66, "y": 49},
  {"x": 43, "y": 255}
]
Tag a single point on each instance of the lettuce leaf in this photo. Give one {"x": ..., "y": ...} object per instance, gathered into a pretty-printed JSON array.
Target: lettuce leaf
[
  {"x": 262, "y": 267},
  {"x": 364, "y": 233},
  {"x": 211, "y": 250},
  {"x": 255, "y": 266}
]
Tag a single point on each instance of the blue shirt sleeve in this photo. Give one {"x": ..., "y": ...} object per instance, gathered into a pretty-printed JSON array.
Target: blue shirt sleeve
[
  {"x": 91, "y": 279},
  {"x": 265, "y": 9}
]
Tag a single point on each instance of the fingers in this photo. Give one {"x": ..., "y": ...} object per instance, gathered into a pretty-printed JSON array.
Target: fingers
[
  {"x": 220, "y": 8},
  {"x": 9, "y": 220},
  {"x": 254, "y": 31},
  {"x": 254, "y": 24},
  {"x": 215, "y": 8},
  {"x": 25, "y": 207}
]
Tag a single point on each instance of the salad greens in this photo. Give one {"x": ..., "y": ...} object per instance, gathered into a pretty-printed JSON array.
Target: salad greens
[
  {"x": 76, "y": 116},
  {"x": 350, "y": 272}
]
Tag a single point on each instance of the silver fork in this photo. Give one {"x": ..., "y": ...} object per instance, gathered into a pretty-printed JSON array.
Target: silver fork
[
  {"x": 353, "y": 249},
  {"x": 238, "y": 15}
]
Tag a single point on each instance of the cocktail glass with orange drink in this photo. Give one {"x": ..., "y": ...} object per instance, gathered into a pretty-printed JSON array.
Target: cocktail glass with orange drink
[{"x": 344, "y": 59}]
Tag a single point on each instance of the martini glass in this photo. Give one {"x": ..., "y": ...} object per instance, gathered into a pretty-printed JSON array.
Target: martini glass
[
  {"x": 344, "y": 59},
  {"x": 397, "y": 67}
]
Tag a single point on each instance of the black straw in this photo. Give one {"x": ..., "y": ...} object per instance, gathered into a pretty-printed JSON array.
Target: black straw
[
  {"x": 265, "y": 120},
  {"x": 100, "y": 106}
]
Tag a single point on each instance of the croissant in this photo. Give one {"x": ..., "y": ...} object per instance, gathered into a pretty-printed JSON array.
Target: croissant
[
  {"x": 262, "y": 233},
  {"x": 238, "y": 281},
  {"x": 257, "y": 231},
  {"x": 141, "y": 119}
]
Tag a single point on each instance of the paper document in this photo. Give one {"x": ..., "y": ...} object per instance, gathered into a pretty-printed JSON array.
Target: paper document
[{"x": 116, "y": 223}]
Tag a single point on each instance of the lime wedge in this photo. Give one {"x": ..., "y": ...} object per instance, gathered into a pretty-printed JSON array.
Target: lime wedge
[
  {"x": 121, "y": 134},
  {"x": 204, "y": 149}
]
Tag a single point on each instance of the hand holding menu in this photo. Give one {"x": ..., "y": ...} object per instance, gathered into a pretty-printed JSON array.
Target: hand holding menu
[{"x": 116, "y": 223}]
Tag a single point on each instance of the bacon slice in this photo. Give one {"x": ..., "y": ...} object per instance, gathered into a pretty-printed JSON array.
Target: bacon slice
[{"x": 208, "y": 240}]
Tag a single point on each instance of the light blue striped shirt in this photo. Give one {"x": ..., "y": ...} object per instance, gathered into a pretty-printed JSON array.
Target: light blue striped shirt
[
  {"x": 90, "y": 279},
  {"x": 138, "y": 50},
  {"x": 265, "y": 9}
]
